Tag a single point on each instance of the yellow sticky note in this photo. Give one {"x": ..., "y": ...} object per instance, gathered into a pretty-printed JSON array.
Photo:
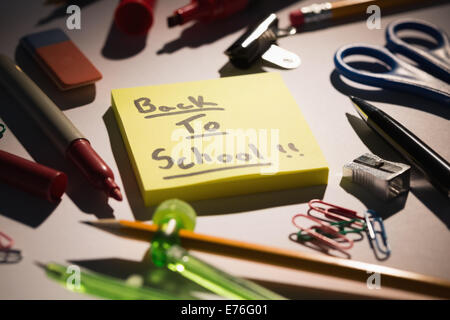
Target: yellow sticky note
[{"x": 217, "y": 138}]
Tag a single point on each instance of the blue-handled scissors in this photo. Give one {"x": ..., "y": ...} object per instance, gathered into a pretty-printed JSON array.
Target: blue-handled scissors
[{"x": 402, "y": 75}]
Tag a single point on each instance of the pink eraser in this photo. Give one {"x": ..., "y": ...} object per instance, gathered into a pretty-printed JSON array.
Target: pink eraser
[{"x": 61, "y": 59}]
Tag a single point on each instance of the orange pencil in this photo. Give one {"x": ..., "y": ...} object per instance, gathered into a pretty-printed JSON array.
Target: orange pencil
[
  {"x": 342, "y": 9},
  {"x": 342, "y": 268}
]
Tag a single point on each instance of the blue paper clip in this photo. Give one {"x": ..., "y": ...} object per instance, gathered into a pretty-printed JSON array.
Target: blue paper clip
[{"x": 372, "y": 218}]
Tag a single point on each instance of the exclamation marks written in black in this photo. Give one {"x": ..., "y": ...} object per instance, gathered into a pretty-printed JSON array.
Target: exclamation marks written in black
[{"x": 292, "y": 147}]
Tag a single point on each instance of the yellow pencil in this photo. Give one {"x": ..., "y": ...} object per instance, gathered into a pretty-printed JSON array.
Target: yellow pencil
[
  {"x": 342, "y": 268},
  {"x": 343, "y": 9}
]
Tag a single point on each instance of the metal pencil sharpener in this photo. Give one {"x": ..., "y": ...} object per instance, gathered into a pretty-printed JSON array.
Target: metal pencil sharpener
[{"x": 384, "y": 178}]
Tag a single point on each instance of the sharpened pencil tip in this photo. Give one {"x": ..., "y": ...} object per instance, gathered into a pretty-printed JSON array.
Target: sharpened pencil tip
[
  {"x": 108, "y": 223},
  {"x": 40, "y": 265}
]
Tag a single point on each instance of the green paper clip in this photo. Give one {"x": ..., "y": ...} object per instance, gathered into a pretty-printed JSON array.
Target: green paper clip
[{"x": 342, "y": 226}]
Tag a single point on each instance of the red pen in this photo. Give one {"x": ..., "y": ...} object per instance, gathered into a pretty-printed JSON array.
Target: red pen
[
  {"x": 206, "y": 10},
  {"x": 60, "y": 130}
]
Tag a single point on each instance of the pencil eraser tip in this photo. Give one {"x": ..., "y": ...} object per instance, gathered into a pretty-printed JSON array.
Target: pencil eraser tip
[{"x": 297, "y": 18}]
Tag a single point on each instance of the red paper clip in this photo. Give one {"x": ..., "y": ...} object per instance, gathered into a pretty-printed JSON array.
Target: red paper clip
[
  {"x": 333, "y": 231},
  {"x": 336, "y": 213},
  {"x": 9, "y": 241}
]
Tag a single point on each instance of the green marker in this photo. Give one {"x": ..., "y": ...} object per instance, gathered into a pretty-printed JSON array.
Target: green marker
[
  {"x": 102, "y": 286},
  {"x": 173, "y": 215}
]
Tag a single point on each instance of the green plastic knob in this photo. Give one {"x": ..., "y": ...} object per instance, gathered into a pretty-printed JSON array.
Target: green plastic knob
[
  {"x": 176, "y": 209},
  {"x": 167, "y": 236}
]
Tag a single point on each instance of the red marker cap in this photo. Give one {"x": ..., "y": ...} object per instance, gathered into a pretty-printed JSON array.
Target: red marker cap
[
  {"x": 93, "y": 167},
  {"x": 134, "y": 17},
  {"x": 32, "y": 177}
]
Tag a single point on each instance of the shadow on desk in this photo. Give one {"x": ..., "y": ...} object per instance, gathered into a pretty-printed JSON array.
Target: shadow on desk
[
  {"x": 228, "y": 70},
  {"x": 152, "y": 276},
  {"x": 23, "y": 207},
  {"x": 307, "y": 293},
  {"x": 202, "y": 207},
  {"x": 18, "y": 205},
  {"x": 119, "y": 45},
  {"x": 383, "y": 95},
  {"x": 199, "y": 33}
]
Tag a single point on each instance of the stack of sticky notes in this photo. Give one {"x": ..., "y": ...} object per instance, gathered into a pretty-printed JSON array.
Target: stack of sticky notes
[{"x": 217, "y": 138}]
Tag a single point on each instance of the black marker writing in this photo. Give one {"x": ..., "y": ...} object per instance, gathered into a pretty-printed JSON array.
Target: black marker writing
[
  {"x": 166, "y": 108},
  {"x": 180, "y": 112},
  {"x": 183, "y": 107},
  {"x": 155, "y": 156},
  {"x": 292, "y": 147},
  {"x": 217, "y": 169},
  {"x": 184, "y": 166},
  {"x": 206, "y": 135},
  {"x": 186, "y": 122},
  {"x": 200, "y": 102},
  {"x": 255, "y": 150},
  {"x": 201, "y": 158},
  {"x": 144, "y": 106}
]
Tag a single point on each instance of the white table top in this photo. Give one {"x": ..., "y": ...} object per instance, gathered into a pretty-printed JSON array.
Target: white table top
[{"x": 417, "y": 227}]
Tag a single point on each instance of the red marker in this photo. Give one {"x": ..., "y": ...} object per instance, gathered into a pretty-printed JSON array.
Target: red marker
[
  {"x": 32, "y": 177},
  {"x": 58, "y": 127},
  {"x": 134, "y": 17},
  {"x": 206, "y": 10}
]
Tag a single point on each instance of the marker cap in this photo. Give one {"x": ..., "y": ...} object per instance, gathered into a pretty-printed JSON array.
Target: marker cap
[
  {"x": 134, "y": 17},
  {"x": 32, "y": 177},
  {"x": 93, "y": 167}
]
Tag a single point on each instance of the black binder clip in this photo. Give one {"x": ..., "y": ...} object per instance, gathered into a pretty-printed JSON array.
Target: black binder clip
[{"x": 260, "y": 42}]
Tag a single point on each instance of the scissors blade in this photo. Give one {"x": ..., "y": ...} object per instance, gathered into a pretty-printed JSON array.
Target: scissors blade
[{"x": 405, "y": 73}]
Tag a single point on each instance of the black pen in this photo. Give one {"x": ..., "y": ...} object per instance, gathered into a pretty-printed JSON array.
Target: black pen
[{"x": 434, "y": 167}]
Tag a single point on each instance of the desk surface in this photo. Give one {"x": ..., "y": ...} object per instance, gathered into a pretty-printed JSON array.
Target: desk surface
[{"x": 417, "y": 225}]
